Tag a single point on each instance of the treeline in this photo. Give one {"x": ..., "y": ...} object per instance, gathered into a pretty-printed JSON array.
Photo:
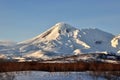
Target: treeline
[{"x": 58, "y": 67}]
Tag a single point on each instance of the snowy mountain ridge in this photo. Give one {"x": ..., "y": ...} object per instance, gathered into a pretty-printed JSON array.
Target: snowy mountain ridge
[
  {"x": 115, "y": 41},
  {"x": 64, "y": 39},
  {"x": 49, "y": 33}
]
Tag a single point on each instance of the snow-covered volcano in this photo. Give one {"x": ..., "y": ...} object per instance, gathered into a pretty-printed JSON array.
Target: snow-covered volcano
[
  {"x": 61, "y": 38},
  {"x": 64, "y": 39}
]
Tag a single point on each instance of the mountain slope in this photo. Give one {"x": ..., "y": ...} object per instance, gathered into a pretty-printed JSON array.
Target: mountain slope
[
  {"x": 63, "y": 39},
  {"x": 115, "y": 42}
]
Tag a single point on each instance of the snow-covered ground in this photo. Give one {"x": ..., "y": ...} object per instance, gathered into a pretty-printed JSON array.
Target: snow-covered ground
[
  {"x": 37, "y": 75},
  {"x": 57, "y": 76}
]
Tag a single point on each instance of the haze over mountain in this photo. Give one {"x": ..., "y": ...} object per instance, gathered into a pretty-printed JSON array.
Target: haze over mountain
[{"x": 64, "y": 39}]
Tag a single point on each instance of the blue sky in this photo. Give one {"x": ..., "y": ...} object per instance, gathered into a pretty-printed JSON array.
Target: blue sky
[{"x": 24, "y": 19}]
